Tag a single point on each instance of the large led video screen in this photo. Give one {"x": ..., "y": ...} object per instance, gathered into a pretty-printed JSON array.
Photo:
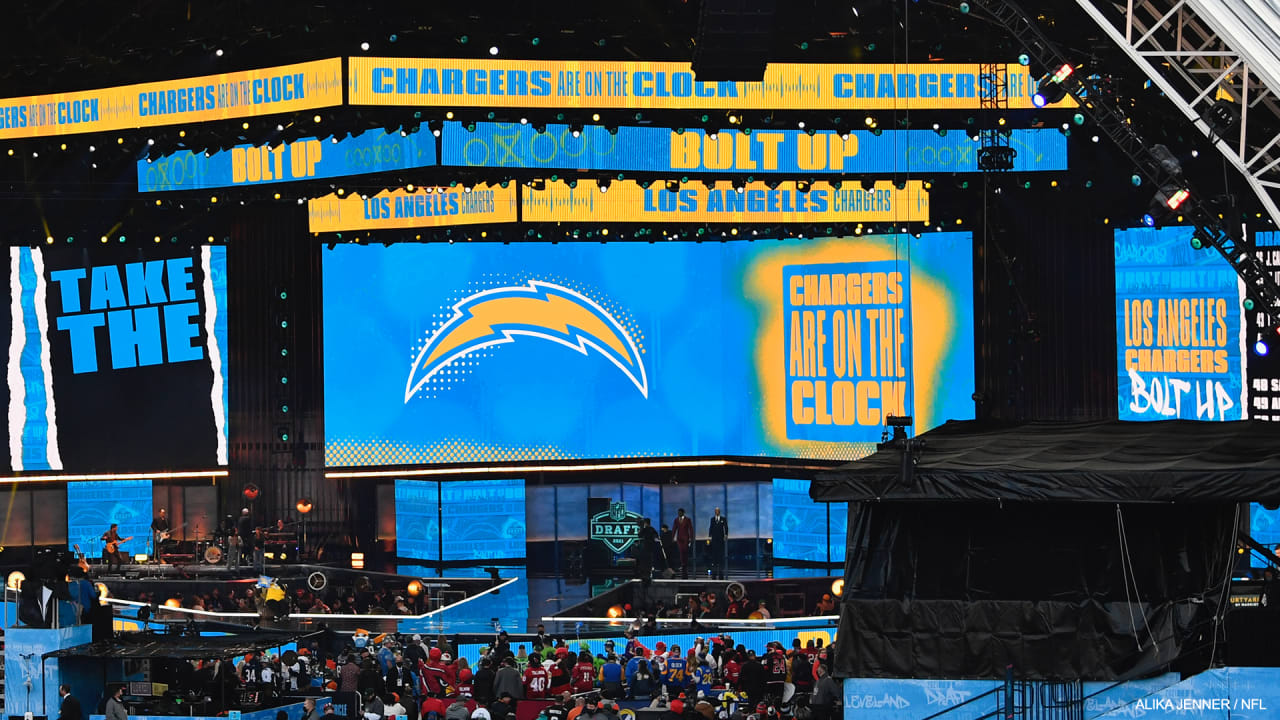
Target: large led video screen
[
  {"x": 475, "y": 353},
  {"x": 804, "y": 529},
  {"x": 1179, "y": 332},
  {"x": 92, "y": 507},
  {"x": 117, "y": 358},
  {"x": 460, "y": 520}
]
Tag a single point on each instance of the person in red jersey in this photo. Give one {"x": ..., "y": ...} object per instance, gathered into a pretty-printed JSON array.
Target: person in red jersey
[
  {"x": 537, "y": 682},
  {"x": 583, "y": 673}
]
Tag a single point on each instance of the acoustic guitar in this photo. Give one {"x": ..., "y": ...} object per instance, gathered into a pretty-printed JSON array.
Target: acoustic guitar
[
  {"x": 115, "y": 545},
  {"x": 84, "y": 564}
]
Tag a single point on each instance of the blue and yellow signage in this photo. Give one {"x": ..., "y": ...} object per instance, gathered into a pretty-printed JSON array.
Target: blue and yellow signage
[
  {"x": 720, "y": 202},
  {"x": 250, "y": 93},
  {"x": 306, "y": 159},
  {"x": 436, "y": 82},
  {"x": 654, "y": 149},
  {"x": 424, "y": 207}
]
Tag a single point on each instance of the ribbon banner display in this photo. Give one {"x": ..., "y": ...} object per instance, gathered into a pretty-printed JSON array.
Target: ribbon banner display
[
  {"x": 431, "y": 207},
  {"x": 436, "y": 82},
  {"x": 654, "y": 149},
  {"x": 306, "y": 159},
  {"x": 627, "y": 201},
  {"x": 289, "y": 88}
]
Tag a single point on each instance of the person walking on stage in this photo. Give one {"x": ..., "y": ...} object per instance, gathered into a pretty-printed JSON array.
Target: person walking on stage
[
  {"x": 70, "y": 707},
  {"x": 683, "y": 528},
  {"x": 115, "y": 705},
  {"x": 719, "y": 534}
]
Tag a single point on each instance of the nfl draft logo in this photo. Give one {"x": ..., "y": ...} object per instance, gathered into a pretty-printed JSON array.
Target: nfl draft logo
[{"x": 617, "y": 528}]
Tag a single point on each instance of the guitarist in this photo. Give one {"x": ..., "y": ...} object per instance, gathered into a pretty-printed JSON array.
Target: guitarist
[
  {"x": 111, "y": 554},
  {"x": 160, "y": 532}
]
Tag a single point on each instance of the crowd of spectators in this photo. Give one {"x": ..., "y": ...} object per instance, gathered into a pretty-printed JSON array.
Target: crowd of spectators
[{"x": 715, "y": 678}]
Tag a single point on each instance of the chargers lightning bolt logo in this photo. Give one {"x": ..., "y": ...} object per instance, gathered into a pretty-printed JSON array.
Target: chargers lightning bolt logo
[{"x": 538, "y": 310}]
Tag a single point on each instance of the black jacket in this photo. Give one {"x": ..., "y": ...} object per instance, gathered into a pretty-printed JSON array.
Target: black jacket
[{"x": 70, "y": 709}]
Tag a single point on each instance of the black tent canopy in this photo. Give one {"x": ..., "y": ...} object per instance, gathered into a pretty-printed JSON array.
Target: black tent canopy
[
  {"x": 1102, "y": 461},
  {"x": 1090, "y": 550},
  {"x": 176, "y": 646}
]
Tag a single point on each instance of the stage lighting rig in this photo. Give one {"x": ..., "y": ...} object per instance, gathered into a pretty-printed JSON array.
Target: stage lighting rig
[{"x": 1176, "y": 192}]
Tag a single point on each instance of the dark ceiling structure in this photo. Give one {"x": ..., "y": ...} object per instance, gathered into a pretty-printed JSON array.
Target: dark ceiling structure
[{"x": 86, "y": 182}]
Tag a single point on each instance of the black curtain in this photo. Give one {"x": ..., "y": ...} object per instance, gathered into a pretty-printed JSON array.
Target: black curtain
[{"x": 1057, "y": 590}]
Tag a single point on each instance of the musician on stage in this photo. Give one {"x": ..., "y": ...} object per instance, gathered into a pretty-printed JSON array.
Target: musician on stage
[
  {"x": 159, "y": 533},
  {"x": 112, "y": 555}
]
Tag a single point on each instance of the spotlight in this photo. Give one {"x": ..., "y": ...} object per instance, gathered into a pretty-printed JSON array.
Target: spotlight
[
  {"x": 415, "y": 588},
  {"x": 218, "y": 52},
  {"x": 615, "y": 611},
  {"x": 1260, "y": 348},
  {"x": 172, "y": 603},
  {"x": 364, "y": 46},
  {"x": 493, "y": 50},
  {"x": 837, "y": 587},
  {"x": 1050, "y": 90},
  {"x": 15, "y": 580}
]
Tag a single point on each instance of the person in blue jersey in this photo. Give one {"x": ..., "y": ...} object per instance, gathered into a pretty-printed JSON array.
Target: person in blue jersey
[
  {"x": 676, "y": 674},
  {"x": 611, "y": 678}
]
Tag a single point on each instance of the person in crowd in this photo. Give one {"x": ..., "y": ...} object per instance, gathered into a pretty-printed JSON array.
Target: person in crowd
[
  {"x": 309, "y": 709},
  {"x": 762, "y": 609},
  {"x": 826, "y": 694},
  {"x": 480, "y": 714},
  {"x": 507, "y": 680},
  {"x": 504, "y": 707},
  {"x": 373, "y": 707},
  {"x": 349, "y": 675},
  {"x": 433, "y": 708},
  {"x": 482, "y": 683},
  {"x": 584, "y": 673},
  {"x": 537, "y": 682},
  {"x": 457, "y": 710},
  {"x": 775, "y": 666},
  {"x": 801, "y": 672},
  {"x": 561, "y": 671},
  {"x": 579, "y": 704},
  {"x": 676, "y": 671},
  {"x": 752, "y": 680},
  {"x": 683, "y": 529},
  {"x": 611, "y": 675},
  {"x": 675, "y": 711},
  {"x": 826, "y": 605},
  {"x": 640, "y": 685},
  {"x": 391, "y": 706},
  {"x": 370, "y": 681},
  {"x": 719, "y": 536}
]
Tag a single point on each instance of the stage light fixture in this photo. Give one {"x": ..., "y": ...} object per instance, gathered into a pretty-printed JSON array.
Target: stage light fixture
[
  {"x": 837, "y": 587},
  {"x": 357, "y": 560},
  {"x": 303, "y": 506},
  {"x": 614, "y": 611},
  {"x": 1050, "y": 89},
  {"x": 1260, "y": 348},
  {"x": 493, "y": 49},
  {"x": 15, "y": 580},
  {"x": 172, "y": 603},
  {"x": 414, "y": 589}
]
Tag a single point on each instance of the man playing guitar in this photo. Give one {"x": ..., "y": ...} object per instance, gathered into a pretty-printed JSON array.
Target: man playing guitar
[
  {"x": 160, "y": 532},
  {"x": 111, "y": 554}
]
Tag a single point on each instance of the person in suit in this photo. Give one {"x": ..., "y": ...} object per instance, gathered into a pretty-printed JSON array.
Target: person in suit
[
  {"x": 719, "y": 534},
  {"x": 70, "y": 707},
  {"x": 683, "y": 529}
]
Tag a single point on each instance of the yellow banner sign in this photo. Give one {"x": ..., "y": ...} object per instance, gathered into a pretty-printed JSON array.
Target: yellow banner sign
[
  {"x": 289, "y": 88},
  {"x": 722, "y": 203},
  {"x": 432, "y": 82},
  {"x": 424, "y": 207}
]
